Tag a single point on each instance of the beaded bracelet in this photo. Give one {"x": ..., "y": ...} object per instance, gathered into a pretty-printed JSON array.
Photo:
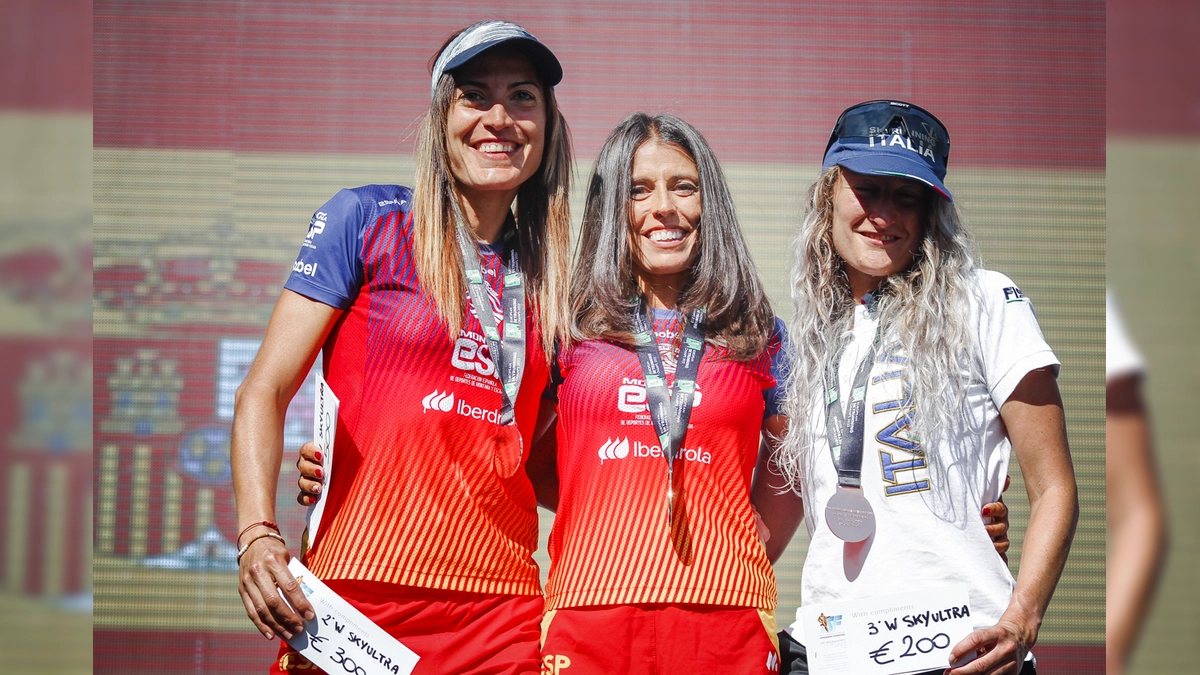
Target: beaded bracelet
[
  {"x": 251, "y": 526},
  {"x": 264, "y": 535}
]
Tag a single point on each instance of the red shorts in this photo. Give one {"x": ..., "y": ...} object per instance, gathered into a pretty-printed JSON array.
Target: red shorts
[
  {"x": 452, "y": 632},
  {"x": 659, "y": 640}
]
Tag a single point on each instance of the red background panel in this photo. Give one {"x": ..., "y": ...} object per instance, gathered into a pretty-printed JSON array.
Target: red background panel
[
  {"x": 46, "y": 52},
  {"x": 1153, "y": 68},
  {"x": 1020, "y": 84}
]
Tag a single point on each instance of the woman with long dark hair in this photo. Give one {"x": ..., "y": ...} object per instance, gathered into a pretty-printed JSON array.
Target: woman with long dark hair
[
  {"x": 437, "y": 291},
  {"x": 665, "y": 390}
]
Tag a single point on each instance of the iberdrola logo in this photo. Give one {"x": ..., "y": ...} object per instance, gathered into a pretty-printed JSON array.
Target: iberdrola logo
[
  {"x": 438, "y": 401},
  {"x": 614, "y": 449}
]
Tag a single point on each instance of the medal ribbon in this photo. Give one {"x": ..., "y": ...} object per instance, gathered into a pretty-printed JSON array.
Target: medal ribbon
[
  {"x": 669, "y": 410},
  {"x": 845, "y": 430},
  {"x": 508, "y": 350}
]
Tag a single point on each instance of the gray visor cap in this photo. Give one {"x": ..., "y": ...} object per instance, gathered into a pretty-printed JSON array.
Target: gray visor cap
[{"x": 483, "y": 36}]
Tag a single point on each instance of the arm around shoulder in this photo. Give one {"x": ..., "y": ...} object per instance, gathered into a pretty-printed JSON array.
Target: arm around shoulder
[{"x": 779, "y": 507}]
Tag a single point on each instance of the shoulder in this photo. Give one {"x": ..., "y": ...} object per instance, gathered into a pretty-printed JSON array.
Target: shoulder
[
  {"x": 366, "y": 202},
  {"x": 779, "y": 336},
  {"x": 992, "y": 284},
  {"x": 375, "y": 200},
  {"x": 993, "y": 292}
]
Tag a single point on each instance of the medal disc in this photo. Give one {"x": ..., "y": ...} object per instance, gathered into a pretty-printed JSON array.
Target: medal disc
[
  {"x": 849, "y": 515},
  {"x": 510, "y": 448}
]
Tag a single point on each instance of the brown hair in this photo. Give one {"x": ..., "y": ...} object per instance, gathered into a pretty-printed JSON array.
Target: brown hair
[{"x": 724, "y": 281}]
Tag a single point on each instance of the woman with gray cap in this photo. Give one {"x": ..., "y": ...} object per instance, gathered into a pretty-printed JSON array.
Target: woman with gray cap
[
  {"x": 943, "y": 372},
  {"x": 435, "y": 308}
]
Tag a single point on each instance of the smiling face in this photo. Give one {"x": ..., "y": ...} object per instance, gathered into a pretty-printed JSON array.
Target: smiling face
[
  {"x": 878, "y": 225},
  {"x": 665, "y": 212},
  {"x": 496, "y": 126}
]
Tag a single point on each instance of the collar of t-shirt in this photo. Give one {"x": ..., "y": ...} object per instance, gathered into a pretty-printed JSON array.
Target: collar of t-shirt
[{"x": 492, "y": 249}]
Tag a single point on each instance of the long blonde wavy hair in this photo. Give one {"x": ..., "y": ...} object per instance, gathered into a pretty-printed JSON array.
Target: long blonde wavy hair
[{"x": 924, "y": 307}]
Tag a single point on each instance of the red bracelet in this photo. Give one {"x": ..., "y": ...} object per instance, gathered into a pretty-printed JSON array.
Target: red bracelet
[
  {"x": 242, "y": 551},
  {"x": 263, "y": 523}
]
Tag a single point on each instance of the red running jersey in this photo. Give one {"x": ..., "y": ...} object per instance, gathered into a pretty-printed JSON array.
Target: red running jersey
[
  {"x": 611, "y": 542},
  {"x": 414, "y": 497}
]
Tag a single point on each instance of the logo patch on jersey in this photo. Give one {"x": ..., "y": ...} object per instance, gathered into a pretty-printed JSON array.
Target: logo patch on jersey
[
  {"x": 315, "y": 227},
  {"x": 619, "y": 448},
  {"x": 772, "y": 662},
  {"x": 614, "y": 449},
  {"x": 307, "y": 269},
  {"x": 1014, "y": 294},
  {"x": 445, "y": 402},
  {"x": 631, "y": 396},
  {"x": 438, "y": 401},
  {"x": 471, "y": 356}
]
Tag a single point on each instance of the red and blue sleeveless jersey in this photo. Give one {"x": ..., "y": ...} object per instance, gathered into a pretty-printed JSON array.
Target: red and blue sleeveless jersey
[
  {"x": 413, "y": 498},
  {"x": 612, "y": 543}
]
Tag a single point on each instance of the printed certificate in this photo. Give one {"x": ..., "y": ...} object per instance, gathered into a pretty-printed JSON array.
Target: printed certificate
[
  {"x": 887, "y": 635},
  {"x": 325, "y": 412},
  {"x": 341, "y": 639}
]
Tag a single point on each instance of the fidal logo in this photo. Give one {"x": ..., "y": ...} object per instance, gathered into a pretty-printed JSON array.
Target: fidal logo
[
  {"x": 438, "y": 401},
  {"x": 614, "y": 449}
]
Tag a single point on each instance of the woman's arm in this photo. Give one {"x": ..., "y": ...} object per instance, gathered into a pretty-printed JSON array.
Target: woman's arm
[
  {"x": 1137, "y": 523},
  {"x": 542, "y": 465},
  {"x": 295, "y": 333},
  {"x": 780, "y": 510},
  {"x": 1033, "y": 415}
]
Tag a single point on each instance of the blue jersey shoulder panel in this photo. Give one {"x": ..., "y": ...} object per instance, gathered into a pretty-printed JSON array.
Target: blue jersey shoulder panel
[{"x": 329, "y": 268}]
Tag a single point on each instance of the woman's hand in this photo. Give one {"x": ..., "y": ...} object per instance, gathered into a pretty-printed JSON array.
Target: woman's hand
[
  {"x": 760, "y": 526},
  {"x": 997, "y": 526},
  {"x": 1002, "y": 648},
  {"x": 265, "y": 582},
  {"x": 312, "y": 477}
]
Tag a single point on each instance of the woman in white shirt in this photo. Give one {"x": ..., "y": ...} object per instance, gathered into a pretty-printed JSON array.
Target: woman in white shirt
[{"x": 926, "y": 372}]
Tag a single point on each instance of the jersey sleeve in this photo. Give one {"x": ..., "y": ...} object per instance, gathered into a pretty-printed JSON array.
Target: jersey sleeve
[
  {"x": 1122, "y": 357},
  {"x": 780, "y": 350},
  {"x": 1010, "y": 339},
  {"x": 329, "y": 268}
]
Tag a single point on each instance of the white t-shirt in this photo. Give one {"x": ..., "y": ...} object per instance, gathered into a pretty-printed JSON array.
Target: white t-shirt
[
  {"x": 929, "y": 528},
  {"x": 1122, "y": 356}
]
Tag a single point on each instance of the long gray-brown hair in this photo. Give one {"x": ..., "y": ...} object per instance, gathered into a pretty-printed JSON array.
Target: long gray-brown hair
[
  {"x": 724, "y": 281},
  {"x": 543, "y": 218},
  {"x": 924, "y": 307}
]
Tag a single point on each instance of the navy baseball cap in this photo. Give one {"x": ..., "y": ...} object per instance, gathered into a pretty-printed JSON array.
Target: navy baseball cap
[
  {"x": 473, "y": 41},
  {"x": 891, "y": 138}
]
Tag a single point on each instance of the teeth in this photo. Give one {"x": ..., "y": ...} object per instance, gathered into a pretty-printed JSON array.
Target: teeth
[
  {"x": 497, "y": 147},
  {"x": 666, "y": 235}
]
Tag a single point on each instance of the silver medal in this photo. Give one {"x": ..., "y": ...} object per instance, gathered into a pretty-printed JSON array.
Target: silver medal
[{"x": 849, "y": 515}]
